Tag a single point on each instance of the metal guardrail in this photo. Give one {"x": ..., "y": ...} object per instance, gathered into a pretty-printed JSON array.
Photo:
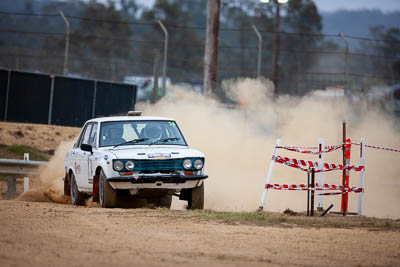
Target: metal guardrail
[
  {"x": 16, "y": 168},
  {"x": 19, "y": 167}
]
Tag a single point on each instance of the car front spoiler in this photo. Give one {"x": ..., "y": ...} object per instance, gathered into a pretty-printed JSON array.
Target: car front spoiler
[{"x": 151, "y": 178}]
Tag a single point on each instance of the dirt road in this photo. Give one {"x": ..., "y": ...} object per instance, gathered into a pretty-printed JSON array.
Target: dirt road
[{"x": 49, "y": 234}]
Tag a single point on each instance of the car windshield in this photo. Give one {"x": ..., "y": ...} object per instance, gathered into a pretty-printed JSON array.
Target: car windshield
[{"x": 124, "y": 133}]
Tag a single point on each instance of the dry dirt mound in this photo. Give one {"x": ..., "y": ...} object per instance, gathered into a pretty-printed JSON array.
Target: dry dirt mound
[
  {"x": 41, "y": 137},
  {"x": 50, "y": 139}
]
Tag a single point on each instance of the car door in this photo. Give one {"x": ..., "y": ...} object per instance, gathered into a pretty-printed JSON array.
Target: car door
[
  {"x": 93, "y": 157},
  {"x": 72, "y": 155},
  {"x": 82, "y": 160}
]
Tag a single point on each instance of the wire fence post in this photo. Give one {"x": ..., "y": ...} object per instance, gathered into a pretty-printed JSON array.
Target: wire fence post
[
  {"x": 321, "y": 158},
  {"x": 259, "y": 50},
  {"x": 94, "y": 99},
  {"x": 312, "y": 190},
  {"x": 66, "y": 43},
  {"x": 51, "y": 99},
  {"x": 7, "y": 94},
  {"x": 165, "y": 55},
  {"x": 155, "y": 73}
]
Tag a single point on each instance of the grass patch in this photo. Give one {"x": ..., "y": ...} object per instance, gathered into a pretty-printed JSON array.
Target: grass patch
[
  {"x": 17, "y": 152},
  {"x": 289, "y": 212},
  {"x": 230, "y": 217},
  {"x": 293, "y": 219}
]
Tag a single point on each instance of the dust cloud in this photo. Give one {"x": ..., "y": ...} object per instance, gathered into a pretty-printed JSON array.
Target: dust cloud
[
  {"x": 238, "y": 143},
  {"x": 48, "y": 184}
]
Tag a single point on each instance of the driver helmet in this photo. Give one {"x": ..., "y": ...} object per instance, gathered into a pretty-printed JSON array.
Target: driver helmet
[{"x": 152, "y": 131}]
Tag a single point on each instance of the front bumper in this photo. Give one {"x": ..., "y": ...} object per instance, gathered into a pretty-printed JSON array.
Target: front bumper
[
  {"x": 151, "y": 178},
  {"x": 162, "y": 181}
]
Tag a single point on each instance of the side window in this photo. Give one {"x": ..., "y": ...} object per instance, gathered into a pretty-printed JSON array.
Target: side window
[
  {"x": 79, "y": 140},
  {"x": 93, "y": 135},
  {"x": 86, "y": 136}
]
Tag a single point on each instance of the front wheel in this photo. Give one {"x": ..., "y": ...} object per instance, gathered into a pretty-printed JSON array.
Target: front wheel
[
  {"x": 77, "y": 198},
  {"x": 196, "y": 198},
  {"x": 107, "y": 194}
]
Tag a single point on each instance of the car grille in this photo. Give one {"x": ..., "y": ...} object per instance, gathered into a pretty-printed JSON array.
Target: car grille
[{"x": 158, "y": 165}]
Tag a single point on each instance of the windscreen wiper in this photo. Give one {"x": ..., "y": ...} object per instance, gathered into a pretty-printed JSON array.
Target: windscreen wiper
[
  {"x": 165, "y": 140},
  {"x": 133, "y": 141}
]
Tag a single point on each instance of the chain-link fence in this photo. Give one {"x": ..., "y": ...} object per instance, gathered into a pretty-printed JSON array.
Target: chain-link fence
[{"x": 306, "y": 61}]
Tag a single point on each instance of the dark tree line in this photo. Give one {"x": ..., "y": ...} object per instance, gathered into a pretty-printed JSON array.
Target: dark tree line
[{"x": 119, "y": 38}]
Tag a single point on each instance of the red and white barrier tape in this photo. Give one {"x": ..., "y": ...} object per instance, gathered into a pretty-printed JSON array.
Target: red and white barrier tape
[
  {"x": 306, "y": 151},
  {"x": 298, "y": 147},
  {"x": 332, "y": 193},
  {"x": 304, "y": 187},
  {"x": 378, "y": 147},
  {"x": 300, "y": 164}
]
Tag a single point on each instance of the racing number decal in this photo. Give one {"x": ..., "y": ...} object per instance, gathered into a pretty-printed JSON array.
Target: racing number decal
[
  {"x": 90, "y": 181},
  {"x": 77, "y": 168}
]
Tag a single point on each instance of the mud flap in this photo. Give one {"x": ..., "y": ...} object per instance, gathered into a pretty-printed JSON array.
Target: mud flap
[
  {"x": 67, "y": 185},
  {"x": 184, "y": 194},
  {"x": 95, "y": 195}
]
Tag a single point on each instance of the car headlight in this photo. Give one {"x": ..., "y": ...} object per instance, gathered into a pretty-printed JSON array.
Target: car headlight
[
  {"x": 187, "y": 164},
  {"x": 198, "y": 164},
  {"x": 118, "y": 165},
  {"x": 129, "y": 165}
]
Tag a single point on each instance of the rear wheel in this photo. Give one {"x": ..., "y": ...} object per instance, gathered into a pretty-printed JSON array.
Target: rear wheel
[
  {"x": 77, "y": 198},
  {"x": 107, "y": 194}
]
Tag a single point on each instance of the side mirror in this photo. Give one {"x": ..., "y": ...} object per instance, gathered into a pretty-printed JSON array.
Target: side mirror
[{"x": 86, "y": 147}]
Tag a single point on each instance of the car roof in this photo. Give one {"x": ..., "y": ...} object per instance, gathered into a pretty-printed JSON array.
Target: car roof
[{"x": 130, "y": 118}]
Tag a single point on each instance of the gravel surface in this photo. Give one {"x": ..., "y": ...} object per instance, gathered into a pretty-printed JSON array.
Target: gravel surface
[{"x": 50, "y": 234}]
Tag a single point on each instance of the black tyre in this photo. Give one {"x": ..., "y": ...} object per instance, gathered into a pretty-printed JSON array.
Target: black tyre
[
  {"x": 107, "y": 194},
  {"x": 196, "y": 198},
  {"x": 77, "y": 198}
]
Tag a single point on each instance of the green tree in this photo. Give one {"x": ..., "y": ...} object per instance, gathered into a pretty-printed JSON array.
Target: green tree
[
  {"x": 388, "y": 46},
  {"x": 301, "y": 17},
  {"x": 185, "y": 49},
  {"x": 101, "y": 47}
]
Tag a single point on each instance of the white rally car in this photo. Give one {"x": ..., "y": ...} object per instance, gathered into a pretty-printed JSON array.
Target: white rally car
[{"x": 128, "y": 159}]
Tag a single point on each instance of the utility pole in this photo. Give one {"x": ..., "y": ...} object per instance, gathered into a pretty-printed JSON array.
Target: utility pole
[
  {"x": 259, "y": 50},
  {"x": 211, "y": 49},
  {"x": 165, "y": 55},
  {"x": 66, "y": 43},
  {"x": 276, "y": 47}
]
